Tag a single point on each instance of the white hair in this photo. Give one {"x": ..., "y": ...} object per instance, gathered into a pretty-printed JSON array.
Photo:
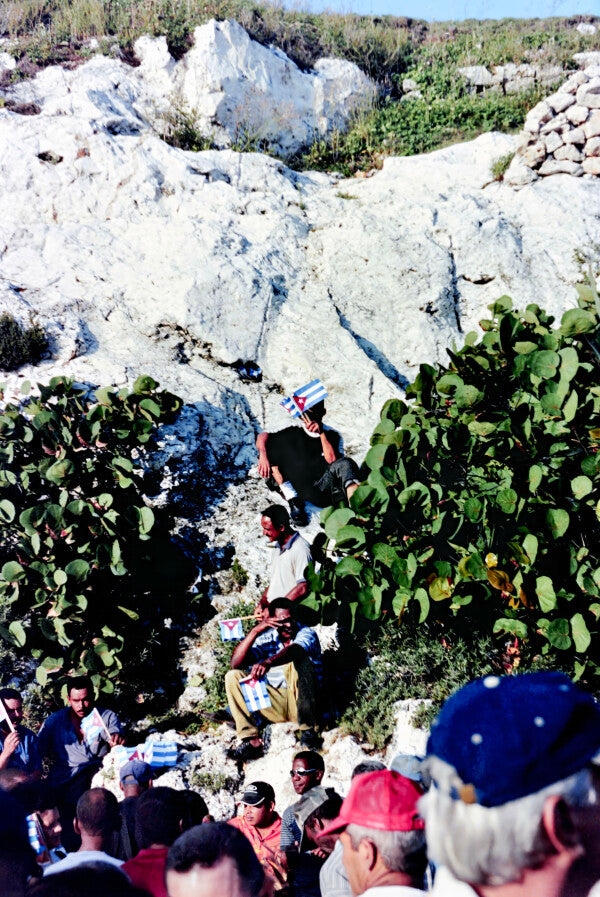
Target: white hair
[
  {"x": 492, "y": 845},
  {"x": 400, "y": 851}
]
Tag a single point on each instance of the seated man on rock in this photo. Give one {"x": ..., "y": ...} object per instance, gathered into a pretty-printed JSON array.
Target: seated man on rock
[
  {"x": 288, "y": 657},
  {"x": 306, "y": 463},
  {"x": 292, "y": 556}
]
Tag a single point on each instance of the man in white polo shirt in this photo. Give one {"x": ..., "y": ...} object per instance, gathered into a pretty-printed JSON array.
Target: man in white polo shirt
[{"x": 292, "y": 556}]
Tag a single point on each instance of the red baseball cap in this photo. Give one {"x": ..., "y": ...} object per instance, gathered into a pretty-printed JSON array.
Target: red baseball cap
[{"x": 382, "y": 800}]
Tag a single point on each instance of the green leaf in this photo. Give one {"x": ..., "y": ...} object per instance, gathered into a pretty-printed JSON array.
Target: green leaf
[
  {"x": 525, "y": 347},
  {"x": 349, "y": 566},
  {"x": 535, "y": 477},
  {"x": 530, "y": 547},
  {"x": 545, "y": 592},
  {"x": 513, "y": 627},
  {"x": 7, "y": 511},
  {"x": 507, "y": 500},
  {"x": 151, "y": 407},
  {"x": 481, "y": 428},
  {"x": 385, "y": 553},
  {"x": 376, "y": 456},
  {"x": 576, "y": 321},
  {"x": 12, "y": 572},
  {"x": 569, "y": 363},
  {"x": 146, "y": 519},
  {"x": 558, "y": 521},
  {"x": 77, "y": 569},
  {"x": 570, "y": 409},
  {"x": 440, "y": 589},
  {"x": 581, "y": 486},
  {"x": 558, "y": 634},
  {"x": 473, "y": 509},
  {"x": 400, "y": 600},
  {"x": 60, "y": 577},
  {"x": 423, "y": 598},
  {"x": 59, "y": 471},
  {"x": 144, "y": 384},
  {"x": 544, "y": 363},
  {"x": 18, "y": 633},
  {"x": 351, "y": 537},
  {"x": 336, "y": 520},
  {"x": 129, "y": 613},
  {"x": 581, "y": 634}
]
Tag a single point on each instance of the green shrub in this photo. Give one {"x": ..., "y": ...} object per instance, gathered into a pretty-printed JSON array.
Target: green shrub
[
  {"x": 480, "y": 501},
  {"x": 87, "y": 573},
  {"x": 500, "y": 166},
  {"x": 20, "y": 345}
]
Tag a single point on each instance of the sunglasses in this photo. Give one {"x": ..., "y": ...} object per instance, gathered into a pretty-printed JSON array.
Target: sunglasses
[{"x": 300, "y": 772}]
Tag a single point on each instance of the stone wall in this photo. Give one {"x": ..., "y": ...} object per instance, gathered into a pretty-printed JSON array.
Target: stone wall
[
  {"x": 510, "y": 78},
  {"x": 562, "y": 133}
]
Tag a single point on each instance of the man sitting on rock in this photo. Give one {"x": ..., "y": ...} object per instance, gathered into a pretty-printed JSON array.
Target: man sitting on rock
[
  {"x": 262, "y": 826},
  {"x": 306, "y": 463},
  {"x": 18, "y": 746},
  {"x": 288, "y": 657},
  {"x": 74, "y": 760}
]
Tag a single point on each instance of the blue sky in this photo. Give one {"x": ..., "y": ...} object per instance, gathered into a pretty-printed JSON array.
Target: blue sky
[{"x": 442, "y": 10}]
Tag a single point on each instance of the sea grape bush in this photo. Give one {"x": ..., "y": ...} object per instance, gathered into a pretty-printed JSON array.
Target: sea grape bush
[
  {"x": 79, "y": 548},
  {"x": 480, "y": 501}
]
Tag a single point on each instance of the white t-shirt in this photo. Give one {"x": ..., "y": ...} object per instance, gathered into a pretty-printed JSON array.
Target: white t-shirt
[
  {"x": 393, "y": 891},
  {"x": 288, "y": 566},
  {"x": 79, "y": 858}
]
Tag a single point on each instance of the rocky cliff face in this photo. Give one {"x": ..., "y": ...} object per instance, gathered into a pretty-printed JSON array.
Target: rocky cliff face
[{"x": 138, "y": 257}]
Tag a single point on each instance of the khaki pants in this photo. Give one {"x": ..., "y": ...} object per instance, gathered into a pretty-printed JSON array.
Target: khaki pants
[{"x": 295, "y": 704}]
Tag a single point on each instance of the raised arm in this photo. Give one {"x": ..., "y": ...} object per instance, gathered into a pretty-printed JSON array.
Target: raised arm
[{"x": 238, "y": 658}]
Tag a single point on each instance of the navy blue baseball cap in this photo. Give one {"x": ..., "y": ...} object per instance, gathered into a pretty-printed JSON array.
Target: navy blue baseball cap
[{"x": 510, "y": 736}]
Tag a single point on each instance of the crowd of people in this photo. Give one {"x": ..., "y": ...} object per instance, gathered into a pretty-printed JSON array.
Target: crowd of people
[{"x": 506, "y": 802}]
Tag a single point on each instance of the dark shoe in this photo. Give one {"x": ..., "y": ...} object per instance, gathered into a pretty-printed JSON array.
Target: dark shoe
[
  {"x": 247, "y": 751},
  {"x": 298, "y": 513},
  {"x": 311, "y": 739},
  {"x": 219, "y": 716}
]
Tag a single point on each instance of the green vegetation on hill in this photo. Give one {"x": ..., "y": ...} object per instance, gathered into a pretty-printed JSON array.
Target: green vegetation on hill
[
  {"x": 479, "y": 512},
  {"x": 387, "y": 48}
]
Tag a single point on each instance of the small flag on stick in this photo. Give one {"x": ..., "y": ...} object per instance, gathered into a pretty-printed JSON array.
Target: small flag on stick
[
  {"x": 255, "y": 694},
  {"x": 231, "y": 630},
  {"x": 305, "y": 398},
  {"x": 93, "y": 725},
  {"x": 4, "y": 717}
]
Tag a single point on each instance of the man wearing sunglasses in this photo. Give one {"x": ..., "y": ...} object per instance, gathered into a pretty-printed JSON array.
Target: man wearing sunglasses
[{"x": 306, "y": 775}]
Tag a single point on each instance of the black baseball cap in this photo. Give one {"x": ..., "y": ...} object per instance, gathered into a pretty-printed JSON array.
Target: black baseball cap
[{"x": 258, "y": 793}]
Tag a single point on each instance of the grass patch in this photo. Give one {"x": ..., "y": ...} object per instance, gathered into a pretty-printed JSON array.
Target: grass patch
[
  {"x": 500, "y": 166},
  {"x": 20, "y": 345}
]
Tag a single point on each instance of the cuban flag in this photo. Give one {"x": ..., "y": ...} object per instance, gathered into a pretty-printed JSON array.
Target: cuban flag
[
  {"x": 124, "y": 754},
  {"x": 304, "y": 398},
  {"x": 160, "y": 753},
  {"x": 231, "y": 630},
  {"x": 255, "y": 694},
  {"x": 34, "y": 833},
  {"x": 92, "y": 726}
]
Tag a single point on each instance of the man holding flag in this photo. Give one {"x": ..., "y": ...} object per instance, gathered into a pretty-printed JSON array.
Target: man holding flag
[
  {"x": 306, "y": 463},
  {"x": 285, "y": 670},
  {"x": 75, "y": 739}
]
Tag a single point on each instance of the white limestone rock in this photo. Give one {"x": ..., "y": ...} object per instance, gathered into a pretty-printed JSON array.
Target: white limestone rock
[
  {"x": 520, "y": 171},
  {"x": 560, "y": 101},
  {"x": 569, "y": 152},
  {"x": 589, "y": 57},
  {"x": 576, "y": 135},
  {"x": 552, "y": 166},
  {"x": 577, "y": 115},
  {"x": 7, "y": 62},
  {"x": 592, "y": 165},
  {"x": 573, "y": 82},
  {"x": 592, "y": 147},
  {"x": 553, "y": 141},
  {"x": 537, "y": 117},
  {"x": 592, "y": 126},
  {"x": 586, "y": 28},
  {"x": 534, "y": 154},
  {"x": 476, "y": 75},
  {"x": 589, "y": 94}
]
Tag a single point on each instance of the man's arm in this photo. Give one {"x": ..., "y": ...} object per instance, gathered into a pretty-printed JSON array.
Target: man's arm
[
  {"x": 11, "y": 743},
  {"x": 238, "y": 658},
  {"x": 329, "y": 451},
  {"x": 288, "y": 654},
  {"x": 113, "y": 725},
  {"x": 298, "y": 592},
  {"x": 264, "y": 467}
]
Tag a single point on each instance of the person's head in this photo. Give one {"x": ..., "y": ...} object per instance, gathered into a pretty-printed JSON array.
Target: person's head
[
  {"x": 307, "y": 771},
  {"x": 213, "y": 859},
  {"x": 49, "y": 819},
  {"x": 94, "y": 879},
  {"x": 316, "y": 413},
  {"x": 380, "y": 830},
  {"x": 281, "y": 616},
  {"x": 97, "y": 815},
  {"x": 158, "y": 816},
  {"x": 193, "y": 809},
  {"x": 320, "y": 818},
  {"x": 509, "y": 759},
  {"x": 258, "y": 802},
  {"x": 135, "y": 776},
  {"x": 13, "y": 702},
  {"x": 80, "y": 695},
  {"x": 275, "y": 522},
  {"x": 367, "y": 766}
]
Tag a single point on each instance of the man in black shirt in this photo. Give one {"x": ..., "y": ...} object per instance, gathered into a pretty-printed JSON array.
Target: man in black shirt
[{"x": 306, "y": 464}]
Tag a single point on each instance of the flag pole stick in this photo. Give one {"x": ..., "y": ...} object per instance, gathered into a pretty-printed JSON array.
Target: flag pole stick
[
  {"x": 249, "y": 617},
  {"x": 7, "y": 717}
]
